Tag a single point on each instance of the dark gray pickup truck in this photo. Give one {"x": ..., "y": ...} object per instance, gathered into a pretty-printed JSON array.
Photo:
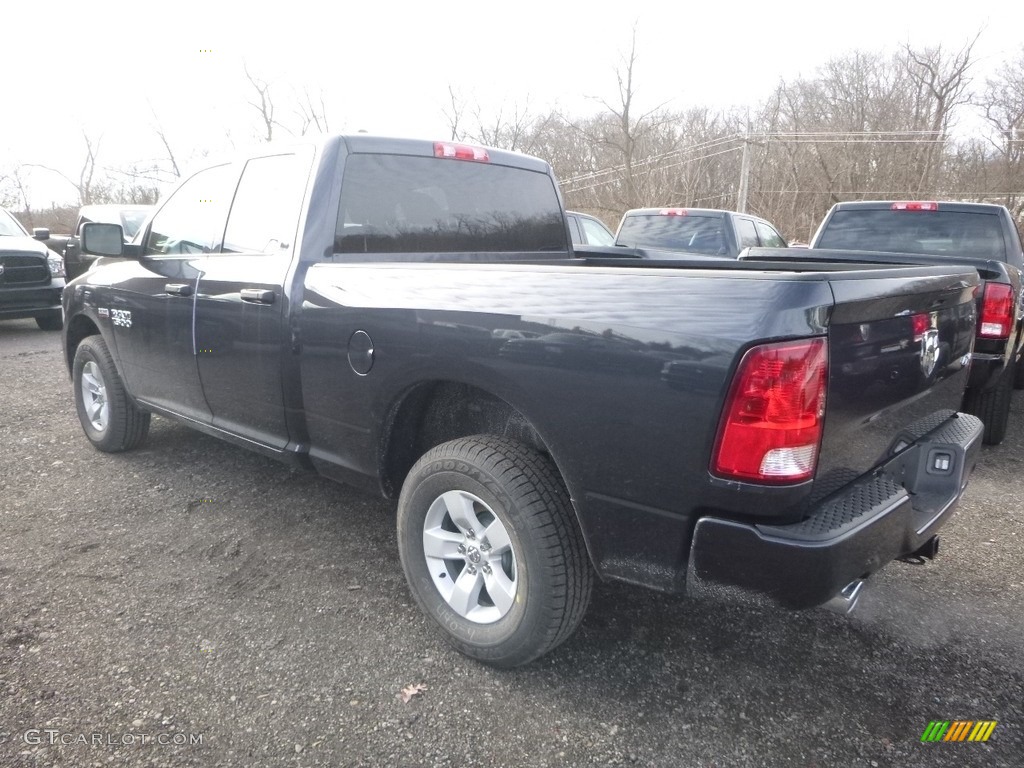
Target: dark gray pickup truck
[
  {"x": 697, "y": 231},
  {"x": 978, "y": 235},
  {"x": 410, "y": 316}
]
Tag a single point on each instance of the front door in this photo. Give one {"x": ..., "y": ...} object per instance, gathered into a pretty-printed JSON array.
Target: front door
[{"x": 152, "y": 306}]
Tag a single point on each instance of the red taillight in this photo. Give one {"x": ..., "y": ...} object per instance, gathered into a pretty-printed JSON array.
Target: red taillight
[
  {"x": 915, "y": 206},
  {"x": 771, "y": 427},
  {"x": 461, "y": 152},
  {"x": 672, "y": 212},
  {"x": 922, "y": 322},
  {"x": 996, "y": 312}
]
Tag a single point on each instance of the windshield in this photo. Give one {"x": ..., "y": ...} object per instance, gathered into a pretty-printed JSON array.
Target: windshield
[
  {"x": 697, "y": 234},
  {"x": 9, "y": 226},
  {"x": 937, "y": 233},
  {"x": 132, "y": 220}
]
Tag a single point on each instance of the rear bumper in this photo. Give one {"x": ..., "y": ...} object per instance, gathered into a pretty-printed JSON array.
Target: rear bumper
[
  {"x": 850, "y": 535},
  {"x": 30, "y": 301}
]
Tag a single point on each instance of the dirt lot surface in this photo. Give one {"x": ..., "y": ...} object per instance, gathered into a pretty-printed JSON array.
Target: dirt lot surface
[{"x": 193, "y": 592}]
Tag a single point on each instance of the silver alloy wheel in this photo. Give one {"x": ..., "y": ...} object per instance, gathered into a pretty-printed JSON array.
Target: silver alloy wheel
[
  {"x": 470, "y": 557},
  {"x": 94, "y": 396}
]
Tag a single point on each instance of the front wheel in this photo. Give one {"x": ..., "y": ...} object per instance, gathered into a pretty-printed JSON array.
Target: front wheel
[
  {"x": 491, "y": 549},
  {"x": 111, "y": 421}
]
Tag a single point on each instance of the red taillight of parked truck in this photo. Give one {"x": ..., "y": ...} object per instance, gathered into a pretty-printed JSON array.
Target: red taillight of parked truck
[
  {"x": 996, "y": 312},
  {"x": 772, "y": 421}
]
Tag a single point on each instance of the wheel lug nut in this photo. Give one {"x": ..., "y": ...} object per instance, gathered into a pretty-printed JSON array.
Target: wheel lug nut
[
  {"x": 471, "y": 569},
  {"x": 462, "y": 549},
  {"x": 487, "y": 570},
  {"x": 485, "y": 547},
  {"x": 470, "y": 534}
]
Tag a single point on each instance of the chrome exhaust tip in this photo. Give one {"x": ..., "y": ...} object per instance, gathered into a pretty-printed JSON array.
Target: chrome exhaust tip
[{"x": 846, "y": 600}]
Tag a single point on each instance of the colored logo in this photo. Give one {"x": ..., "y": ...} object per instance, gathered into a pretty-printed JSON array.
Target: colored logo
[{"x": 959, "y": 730}]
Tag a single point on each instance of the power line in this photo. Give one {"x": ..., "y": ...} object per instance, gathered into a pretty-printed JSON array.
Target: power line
[{"x": 661, "y": 168}]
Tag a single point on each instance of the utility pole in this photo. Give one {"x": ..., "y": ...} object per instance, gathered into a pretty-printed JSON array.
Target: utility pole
[{"x": 741, "y": 196}]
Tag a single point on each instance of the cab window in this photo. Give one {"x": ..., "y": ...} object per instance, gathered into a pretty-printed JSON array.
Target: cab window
[
  {"x": 192, "y": 219},
  {"x": 747, "y": 233},
  {"x": 769, "y": 237},
  {"x": 265, "y": 212}
]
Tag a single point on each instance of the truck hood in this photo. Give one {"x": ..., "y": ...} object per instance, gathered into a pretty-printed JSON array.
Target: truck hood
[{"x": 23, "y": 245}]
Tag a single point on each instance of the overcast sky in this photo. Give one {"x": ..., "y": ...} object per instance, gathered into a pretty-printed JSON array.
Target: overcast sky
[{"x": 109, "y": 66}]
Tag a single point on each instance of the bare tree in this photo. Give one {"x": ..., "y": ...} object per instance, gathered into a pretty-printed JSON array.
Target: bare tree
[
  {"x": 161, "y": 134},
  {"x": 262, "y": 102},
  {"x": 1003, "y": 105},
  {"x": 453, "y": 112},
  {"x": 312, "y": 114},
  {"x": 942, "y": 82},
  {"x": 87, "y": 185}
]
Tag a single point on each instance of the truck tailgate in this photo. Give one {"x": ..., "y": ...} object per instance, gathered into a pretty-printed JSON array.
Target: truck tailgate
[{"x": 899, "y": 356}]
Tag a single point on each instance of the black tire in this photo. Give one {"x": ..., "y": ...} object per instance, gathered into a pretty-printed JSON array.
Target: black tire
[
  {"x": 123, "y": 425},
  {"x": 992, "y": 406},
  {"x": 519, "y": 488},
  {"x": 1018, "y": 374},
  {"x": 51, "y": 321}
]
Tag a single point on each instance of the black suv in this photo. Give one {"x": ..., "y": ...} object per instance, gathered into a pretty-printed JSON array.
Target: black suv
[{"x": 31, "y": 275}]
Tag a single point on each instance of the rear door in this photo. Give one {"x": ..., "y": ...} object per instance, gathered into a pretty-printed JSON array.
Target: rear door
[{"x": 240, "y": 308}]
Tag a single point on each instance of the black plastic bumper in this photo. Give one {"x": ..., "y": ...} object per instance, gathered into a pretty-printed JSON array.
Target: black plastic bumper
[
  {"x": 19, "y": 302},
  {"x": 850, "y": 535}
]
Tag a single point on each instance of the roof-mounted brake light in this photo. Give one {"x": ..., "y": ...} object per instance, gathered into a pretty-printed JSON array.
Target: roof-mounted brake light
[
  {"x": 672, "y": 212},
  {"x": 460, "y": 152},
  {"x": 915, "y": 206}
]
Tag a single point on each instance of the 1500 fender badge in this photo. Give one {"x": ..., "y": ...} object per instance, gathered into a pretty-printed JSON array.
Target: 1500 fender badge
[{"x": 122, "y": 317}]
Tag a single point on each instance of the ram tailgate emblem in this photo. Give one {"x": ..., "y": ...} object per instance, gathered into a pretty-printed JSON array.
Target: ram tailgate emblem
[{"x": 929, "y": 351}]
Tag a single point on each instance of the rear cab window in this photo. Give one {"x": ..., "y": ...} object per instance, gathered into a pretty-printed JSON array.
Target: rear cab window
[
  {"x": 395, "y": 205},
  {"x": 697, "y": 233},
  {"x": 938, "y": 233}
]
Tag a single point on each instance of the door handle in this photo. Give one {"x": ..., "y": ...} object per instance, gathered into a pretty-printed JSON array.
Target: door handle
[
  {"x": 178, "y": 289},
  {"x": 257, "y": 296}
]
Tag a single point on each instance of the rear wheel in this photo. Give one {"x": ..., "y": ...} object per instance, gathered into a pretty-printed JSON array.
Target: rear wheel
[
  {"x": 1018, "y": 374},
  {"x": 992, "y": 406},
  {"x": 111, "y": 421},
  {"x": 491, "y": 549},
  {"x": 51, "y": 321}
]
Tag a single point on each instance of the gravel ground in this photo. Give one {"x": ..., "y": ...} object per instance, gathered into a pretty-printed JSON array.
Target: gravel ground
[{"x": 193, "y": 592}]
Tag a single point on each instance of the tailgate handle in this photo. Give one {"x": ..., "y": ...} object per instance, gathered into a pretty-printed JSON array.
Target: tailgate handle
[
  {"x": 178, "y": 289},
  {"x": 258, "y": 295}
]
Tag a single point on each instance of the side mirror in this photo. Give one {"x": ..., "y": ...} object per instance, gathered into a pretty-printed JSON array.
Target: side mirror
[
  {"x": 100, "y": 239},
  {"x": 41, "y": 233}
]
